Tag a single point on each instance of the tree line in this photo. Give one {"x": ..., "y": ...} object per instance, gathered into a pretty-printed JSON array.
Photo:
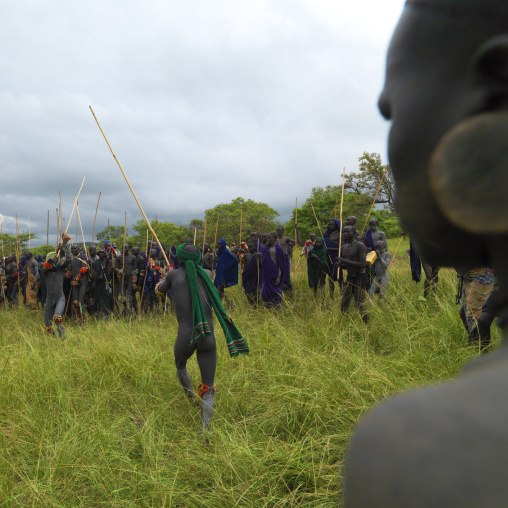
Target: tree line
[{"x": 225, "y": 220}]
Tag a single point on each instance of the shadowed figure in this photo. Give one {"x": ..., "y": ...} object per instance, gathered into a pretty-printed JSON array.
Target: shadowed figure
[{"x": 446, "y": 93}]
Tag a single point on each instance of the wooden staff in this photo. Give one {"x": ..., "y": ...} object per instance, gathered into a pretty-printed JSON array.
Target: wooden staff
[
  {"x": 96, "y": 208},
  {"x": 47, "y": 236},
  {"x": 195, "y": 234},
  {"x": 29, "y": 244},
  {"x": 204, "y": 240},
  {"x": 375, "y": 197},
  {"x": 241, "y": 219},
  {"x": 18, "y": 258},
  {"x": 112, "y": 268},
  {"x": 57, "y": 228},
  {"x": 75, "y": 202},
  {"x": 81, "y": 227},
  {"x": 130, "y": 187},
  {"x": 317, "y": 222},
  {"x": 340, "y": 231},
  {"x": 76, "y": 240},
  {"x": 123, "y": 251},
  {"x": 60, "y": 212},
  {"x": 396, "y": 250},
  {"x": 215, "y": 243}
]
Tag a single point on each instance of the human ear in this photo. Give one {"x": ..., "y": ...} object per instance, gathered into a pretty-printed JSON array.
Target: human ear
[{"x": 469, "y": 167}]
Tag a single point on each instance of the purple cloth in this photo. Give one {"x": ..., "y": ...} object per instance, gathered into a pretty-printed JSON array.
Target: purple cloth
[
  {"x": 270, "y": 292},
  {"x": 250, "y": 276},
  {"x": 332, "y": 255}
]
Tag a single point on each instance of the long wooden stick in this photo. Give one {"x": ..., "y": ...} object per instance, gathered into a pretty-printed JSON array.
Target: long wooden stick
[
  {"x": 317, "y": 222},
  {"x": 241, "y": 220},
  {"x": 76, "y": 239},
  {"x": 96, "y": 208},
  {"x": 195, "y": 234},
  {"x": 340, "y": 231},
  {"x": 204, "y": 240},
  {"x": 81, "y": 227},
  {"x": 375, "y": 197},
  {"x": 75, "y": 202},
  {"x": 130, "y": 187},
  {"x": 47, "y": 236},
  {"x": 60, "y": 212},
  {"x": 57, "y": 228}
]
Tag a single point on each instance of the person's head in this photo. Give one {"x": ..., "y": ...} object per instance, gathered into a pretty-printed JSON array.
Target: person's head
[
  {"x": 222, "y": 244},
  {"x": 264, "y": 238},
  {"x": 379, "y": 246},
  {"x": 446, "y": 73},
  {"x": 126, "y": 247},
  {"x": 207, "y": 247},
  {"x": 373, "y": 224},
  {"x": 28, "y": 255},
  {"x": 280, "y": 231},
  {"x": 92, "y": 250},
  {"x": 361, "y": 239},
  {"x": 188, "y": 240},
  {"x": 75, "y": 250},
  {"x": 348, "y": 233},
  {"x": 153, "y": 253},
  {"x": 252, "y": 248},
  {"x": 135, "y": 251},
  {"x": 101, "y": 253},
  {"x": 254, "y": 236},
  {"x": 351, "y": 220},
  {"x": 272, "y": 239},
  {"x": 319, "y": 243},
  {"x": 332, "y": 226},
  {"x": 312, "y": 237}
]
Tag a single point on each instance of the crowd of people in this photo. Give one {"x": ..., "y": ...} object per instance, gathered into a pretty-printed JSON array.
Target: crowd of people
[{"x": 107, "y": 280}]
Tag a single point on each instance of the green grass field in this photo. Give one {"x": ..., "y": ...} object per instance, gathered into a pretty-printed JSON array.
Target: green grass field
[{"x": 101, "y": 419}]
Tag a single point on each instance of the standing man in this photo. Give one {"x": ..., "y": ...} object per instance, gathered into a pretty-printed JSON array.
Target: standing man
[
  {"x": 79, "y": 282},
  {"x": 226, "y": 273},
  {"x": 194, "y": 296},
  {"x": 352, "y": 258},
  {"x": 332, "y": 238},
  {"x": 284, "y": 243},
  {"x": 32, "y": 277},
  {"x": 251, "y": 274}
]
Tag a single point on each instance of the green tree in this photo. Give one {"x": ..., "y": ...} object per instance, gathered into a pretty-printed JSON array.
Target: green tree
[
  {"x": 12, "y": 245},
  {"x": 113, "y": 232},
  {"x": 255, "y": 216},
  {"x": 326, "y": 203},
  {"x": 167, "y": 232},
  {"x": 368, "y": 178}
]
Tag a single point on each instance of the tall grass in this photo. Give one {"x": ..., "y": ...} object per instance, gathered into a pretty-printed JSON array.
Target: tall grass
[{"x": 101, "y": 420}]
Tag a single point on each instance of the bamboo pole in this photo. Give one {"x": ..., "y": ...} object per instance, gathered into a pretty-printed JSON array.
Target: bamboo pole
[
  {"x": 47, "y": 236},
  {"x": 130, "y": 187},
  {"x": 195, "y": 234},
  {"x": 123, "y": 253},
  {"x": 76, "y": 240},
  {"x": 144, "y": 278},
  {"x": 375, "y": 197},
  {"x": 81, "y": 227},
  {"x": 57, "y": 228},
  {"x": 96, "y": 208},
  {"x": 340, "y": 231},
  {"x": 2, "y": 234},
  {"x": 204, "y": 240},
  {"x": 112, "y": 270},
  {"x": 18, "y": 258},
  {"x": 75, "y": 202},
  {"x": 317, "y": 222},
  {"x": 215, "y": 243}
]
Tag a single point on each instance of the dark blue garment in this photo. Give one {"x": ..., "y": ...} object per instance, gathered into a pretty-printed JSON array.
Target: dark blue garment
[
  {"x": 251, "y": 275},
  {"x": 175, "y": 259},
  {"x": 287, "y": 276},
  {"x": 226, "y": 274},
  {"x": 415, "y": 262}
]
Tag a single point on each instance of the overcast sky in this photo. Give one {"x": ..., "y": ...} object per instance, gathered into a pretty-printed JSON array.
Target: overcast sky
[{"x": 202, "y": 102}]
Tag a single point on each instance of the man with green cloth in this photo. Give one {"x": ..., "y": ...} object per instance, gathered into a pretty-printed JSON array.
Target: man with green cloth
[
  {"x": 316, "y": 266},
  {"x": 194, "y": 296}
]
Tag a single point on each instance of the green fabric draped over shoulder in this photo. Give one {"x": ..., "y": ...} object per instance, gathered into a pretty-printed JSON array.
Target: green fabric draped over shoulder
[{"x": 200, "y": 328}]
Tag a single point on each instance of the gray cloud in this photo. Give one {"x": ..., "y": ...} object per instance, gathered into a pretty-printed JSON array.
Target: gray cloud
[{"x": 201, "y": 101}]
